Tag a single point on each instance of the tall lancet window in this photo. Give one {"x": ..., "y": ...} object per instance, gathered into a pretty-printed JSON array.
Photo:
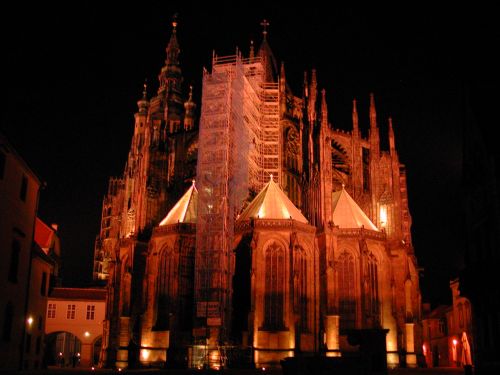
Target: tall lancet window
[
  {"x": 347, "y": 297},
  {"x": 165, "y": 289},
  {"x": 274, "y": 288},
  {"x": 373, "y": 301}
]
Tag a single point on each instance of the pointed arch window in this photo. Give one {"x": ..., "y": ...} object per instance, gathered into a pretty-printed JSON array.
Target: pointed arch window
[
  {"x": 274, "y": 287},
  {"x": 347, "y": 298},
  {"x": 165, "y": 288}
]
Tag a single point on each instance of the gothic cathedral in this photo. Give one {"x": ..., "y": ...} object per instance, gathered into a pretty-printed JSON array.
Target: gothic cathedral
[{"x": 254, "y": 231}]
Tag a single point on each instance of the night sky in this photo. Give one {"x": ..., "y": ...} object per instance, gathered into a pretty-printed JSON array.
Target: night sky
[{"x": 71, "y": 77}]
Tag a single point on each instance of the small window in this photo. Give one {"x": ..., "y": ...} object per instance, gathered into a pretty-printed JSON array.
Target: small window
[
  {"x": 43, "y": 287},
  {"x": 90, "y": 312},
  {"x": 71, "y": 312},
  {"x": 51, "y": 311},
  {"x": 2, "y": 164},
  {"x": 24, "y": 188},
  {"x": 14, "y": 261}
]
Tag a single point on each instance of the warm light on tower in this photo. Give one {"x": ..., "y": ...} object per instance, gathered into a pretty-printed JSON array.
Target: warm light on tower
[{"x": 383, "y": 216}]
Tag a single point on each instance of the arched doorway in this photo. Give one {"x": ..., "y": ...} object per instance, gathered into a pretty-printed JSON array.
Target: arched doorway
[
  {"x": 96, "y": 351},
  {"x": 62, "y": 349}
]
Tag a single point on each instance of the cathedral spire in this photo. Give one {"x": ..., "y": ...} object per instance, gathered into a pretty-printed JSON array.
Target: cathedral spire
[
  {"x": 392, "y": 143},
  {"x": 173, "y": 49},
  {"x": 252, "y": 51},
  {"x": 189, "y": 107},
  {"x": 355, "y": 121},
  {"x": 264, "y": 25},
  {"x": 143, "y": 103},
  {"x": 313, "y": 94},
  {"x": 268, "y": 60},
  {"x": 324, "y": 110},
  {"x": 373, "y": 112}
]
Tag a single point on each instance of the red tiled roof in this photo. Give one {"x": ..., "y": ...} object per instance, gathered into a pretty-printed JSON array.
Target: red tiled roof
[
  {"x": 93, "y": 294},
  {"x": 43, "y": 234}
]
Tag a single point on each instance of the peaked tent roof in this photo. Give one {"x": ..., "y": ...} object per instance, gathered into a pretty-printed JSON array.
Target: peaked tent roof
[
  {"x": 347, "y": 213},
  {"x": 184, "y": 210},
  {"x": 272, "y": 203}
]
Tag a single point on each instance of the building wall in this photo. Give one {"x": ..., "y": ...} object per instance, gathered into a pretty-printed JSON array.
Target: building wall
[
  {"x": 17, "y": 219},
  {"x": 86, "y": 330},
  {"x": 41, "y": 269}
]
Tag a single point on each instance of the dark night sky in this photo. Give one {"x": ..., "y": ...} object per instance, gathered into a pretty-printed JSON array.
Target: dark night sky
[{"x": 72, "y": 75}]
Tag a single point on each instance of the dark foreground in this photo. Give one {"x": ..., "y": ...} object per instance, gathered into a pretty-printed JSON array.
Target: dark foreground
[{"x": 81, "y": 371}]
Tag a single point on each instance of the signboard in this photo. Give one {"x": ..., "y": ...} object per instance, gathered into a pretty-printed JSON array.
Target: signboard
[
  {"x": 207, "y": 309},
  {"x": 214, "y": 322}
]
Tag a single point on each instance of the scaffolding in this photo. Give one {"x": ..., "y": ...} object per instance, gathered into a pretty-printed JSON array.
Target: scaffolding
[{"x": 239, "y": 147}]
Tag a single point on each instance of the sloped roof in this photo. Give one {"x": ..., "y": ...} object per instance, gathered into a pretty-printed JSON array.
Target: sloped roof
[
  {"x": 44, "y": 235},
  {"x": 347, "y": 213},
  {"x": 92, "y": 294},
  {"x": 272, "y": 203},
  {"x": 184, "y": 210}
]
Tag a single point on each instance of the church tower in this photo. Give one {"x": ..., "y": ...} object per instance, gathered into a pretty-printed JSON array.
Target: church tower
[{"x": 160, "y": 165}]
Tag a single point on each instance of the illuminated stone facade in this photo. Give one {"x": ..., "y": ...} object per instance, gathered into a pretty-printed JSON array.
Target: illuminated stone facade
[{"x": 293, "y": 233}]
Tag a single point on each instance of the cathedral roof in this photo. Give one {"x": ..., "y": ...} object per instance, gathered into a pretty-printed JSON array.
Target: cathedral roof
[
  {"x": 184, "y": 210},
  {"x": 272, "y": 203},
  {"x": 347, "y": 213}
]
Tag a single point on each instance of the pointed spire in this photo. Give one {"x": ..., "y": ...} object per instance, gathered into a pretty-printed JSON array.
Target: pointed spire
[
  {"x": 267, "y": 56},
  {"x": 306, "y": 86},
  {"x": 355, "y": 121},
  {"x": 373, "y": 112},
  {"x": 392, "y": 143},
  {"x": 143, "y": 103},
  {"x": 252, "y": 51},
  {"x": 173, "y": 49},
  {"x": 189, "y": 114},
  {"x": 264, "y": 25},
  {"x": 313, "y": 93},
  {"x": 282, "y": 71},
  {"x": 324, "y": 110}
]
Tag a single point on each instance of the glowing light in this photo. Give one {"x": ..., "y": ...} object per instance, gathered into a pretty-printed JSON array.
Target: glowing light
[
  {"x": 86, "y": 333},
  {"x": 30, "y": 321},
  {"x": 92, "y": 368},
  {"x": 383, "y": 216},
  {"x": 455, "y": 342},
  {"x": 119, "y": 370},
  {"x": 263, "y": 368},
  {"x": 60, "y": 354},
  {"x": 145, "y": 354},
  {"x": 424, "y": 349},
  {"x": 78, "y": 354}
]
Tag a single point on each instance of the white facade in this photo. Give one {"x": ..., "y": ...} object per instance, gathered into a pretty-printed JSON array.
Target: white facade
[{"x": 71, "y": 310}]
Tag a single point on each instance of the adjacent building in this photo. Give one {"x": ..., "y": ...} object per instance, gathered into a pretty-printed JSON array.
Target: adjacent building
[
  {"x": 448, "y": 337},
  {"x": 74, "y": 326},
  {"x": 19, "y": 194},
  {"x": 292, "y": 234}
]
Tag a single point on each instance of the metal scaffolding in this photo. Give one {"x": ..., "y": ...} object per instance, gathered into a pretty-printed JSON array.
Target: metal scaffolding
[{"x": 239, "y": 147}]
